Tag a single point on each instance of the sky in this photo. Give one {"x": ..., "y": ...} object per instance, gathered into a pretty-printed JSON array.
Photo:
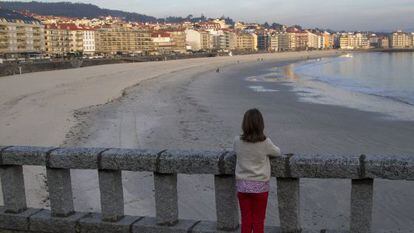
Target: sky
[{"x": 375, "y": 15}]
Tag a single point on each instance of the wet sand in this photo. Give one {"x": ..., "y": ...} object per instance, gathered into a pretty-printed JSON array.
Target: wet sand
[{"x": 195, "y": 107}]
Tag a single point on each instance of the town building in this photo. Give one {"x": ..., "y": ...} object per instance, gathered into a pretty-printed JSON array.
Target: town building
[
  {"x": 268, "y": 42},
  {"x": 121, "y": 39},
  {"x": 224, "y": 40},
  {"x": 263, "y": 41},
  {"x": 274, "y": 43},
  {"x": 168, "y": 42},
  {"x": 400, "y": 40},
  {"x": 301, "y": 40},
  {"x": 383, "y": 42},
  {"x": 193, "y": 39},
  {"x": 246, "y": 42},
  {"x": 89, "y": 41},
  {"x": 76, "y": 38},
  {"x": 219, "y": 42},
  {"x": 163, "y": 43},
  {"x": 178, "y": 37},
  {"x": 209, "y": 26},
  {"x": 327, "y": 40},
  {"x": 353, "y": 41},
  {"x": 412, "y": 39},
  {"x": 313, "y": 41},
  {"x": 231, "y": 39},
  {"x": 57, "y": 40},
  {"x": 206, "y": 40},
  {"x": 373, "y": 41},
  {"x": 298, "y": 38},
  {"x": 239, "y": 26},
  {"x": 20, "y": 35},
  {"x": 222, "y": 23},
  {"x": 286, "y": 41}
]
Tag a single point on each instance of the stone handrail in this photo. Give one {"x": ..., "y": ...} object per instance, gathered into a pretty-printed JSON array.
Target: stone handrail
[{"x": 166, "y": 164}]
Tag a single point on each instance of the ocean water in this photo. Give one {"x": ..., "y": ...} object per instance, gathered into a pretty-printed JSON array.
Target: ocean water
[
  {"x": 388, "y": 75},
  {"x": 374, "y": 82}
]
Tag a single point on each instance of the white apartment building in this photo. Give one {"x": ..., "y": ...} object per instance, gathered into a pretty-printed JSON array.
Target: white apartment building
[
  {"x": 274, "y": 43},
  {"x": 353, "y": 41},
  {"x": 412, "y": 39},
  {"x": 193, "y": 39},
  {"x": 401, "y": 40},
  {"x": 313, "y": 41},
  {"x": 89, "y": 42}
]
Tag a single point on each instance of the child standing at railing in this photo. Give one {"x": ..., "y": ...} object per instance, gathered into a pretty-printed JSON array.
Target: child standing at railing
[{"x": 253, "y": 149}]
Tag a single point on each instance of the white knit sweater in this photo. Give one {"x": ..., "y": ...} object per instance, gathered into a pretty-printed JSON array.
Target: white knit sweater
[{"x": 253, "y": 159}]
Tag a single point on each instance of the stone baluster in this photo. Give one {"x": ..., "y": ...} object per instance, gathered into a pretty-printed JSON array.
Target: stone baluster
[
  {"x": 361, "y": 205},
  {"x": 289, "y": 204},
  {"x": 166, "y": 199},
  {"x": 112, "y": 195},
  {"x": 13, "y": 189},
  {"x": 226, "y": 202},
  {"x": 60, "y": 192}
]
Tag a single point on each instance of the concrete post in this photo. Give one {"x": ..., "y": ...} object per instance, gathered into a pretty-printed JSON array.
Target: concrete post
[
  {"x": 361, "y": 205},
  {"x": 226, "y": 202},
  {"x": 112, "y": 195},
  {"x": 13, "y": 189},
  {"x": 60, "y": 192},
  {"x": 166, "y": 199},
  {"x": 289, "y": 204}
]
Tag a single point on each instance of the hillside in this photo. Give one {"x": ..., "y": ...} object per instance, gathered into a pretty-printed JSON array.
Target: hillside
[
  {"x": 83, "y": 10},
  {"x": 12, "y": 15},
  {"x": 76, "y": 10}
]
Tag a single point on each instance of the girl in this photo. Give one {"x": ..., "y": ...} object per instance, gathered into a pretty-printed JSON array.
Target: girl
[{"x": 253, "y": 150}]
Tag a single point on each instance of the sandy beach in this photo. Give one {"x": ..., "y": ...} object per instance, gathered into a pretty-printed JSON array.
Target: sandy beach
[{"x": 185, "y": 104}]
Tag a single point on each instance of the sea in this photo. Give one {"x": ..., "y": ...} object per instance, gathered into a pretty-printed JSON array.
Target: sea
[{"x": 380, "y": 82}]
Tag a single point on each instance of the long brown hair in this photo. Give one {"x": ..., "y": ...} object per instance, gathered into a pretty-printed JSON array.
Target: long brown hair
[{"x": 253, "y": 126}]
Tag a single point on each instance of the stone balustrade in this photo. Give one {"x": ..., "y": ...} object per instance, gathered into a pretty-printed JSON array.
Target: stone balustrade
[{"x": 166, "y": 164}]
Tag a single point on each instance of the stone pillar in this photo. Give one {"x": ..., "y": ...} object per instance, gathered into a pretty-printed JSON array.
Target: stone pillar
[
  {"x": 112, "y": 195},
  {"x": 226, "y": 202},
  {"x": 289, "y": 204},
  {"x": 166, "y": 199},
  {"x": 13, "y": 189},
  {"x": 60, "y": 191},
  {"x": 361, "y": 205}
]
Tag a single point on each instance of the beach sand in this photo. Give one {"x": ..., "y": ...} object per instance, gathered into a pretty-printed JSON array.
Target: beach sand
[{"x": 185, "y": 104}]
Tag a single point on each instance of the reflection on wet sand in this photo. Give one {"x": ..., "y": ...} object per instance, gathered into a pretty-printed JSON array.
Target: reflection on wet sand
[{"x": 289, "y": 73}]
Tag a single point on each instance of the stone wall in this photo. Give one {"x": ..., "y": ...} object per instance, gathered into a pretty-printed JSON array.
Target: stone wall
[
  {"x": 166, "y": 164},
  {"x": 13, "y": 68}
]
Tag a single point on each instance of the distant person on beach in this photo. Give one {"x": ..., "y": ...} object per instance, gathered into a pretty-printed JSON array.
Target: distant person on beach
[
  {"x": 218, "y": 70},
  {"x": 253, "y": 150}
]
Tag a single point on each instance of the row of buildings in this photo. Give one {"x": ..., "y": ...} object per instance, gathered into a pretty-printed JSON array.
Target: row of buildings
[
  {"x": 120, "y": 37},
  {"x": 396, "y": 40},
  {"x": 57, "y": 36}
]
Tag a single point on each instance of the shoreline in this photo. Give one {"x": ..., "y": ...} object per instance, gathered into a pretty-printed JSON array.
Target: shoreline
[{"x": 312, "y": 88}]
